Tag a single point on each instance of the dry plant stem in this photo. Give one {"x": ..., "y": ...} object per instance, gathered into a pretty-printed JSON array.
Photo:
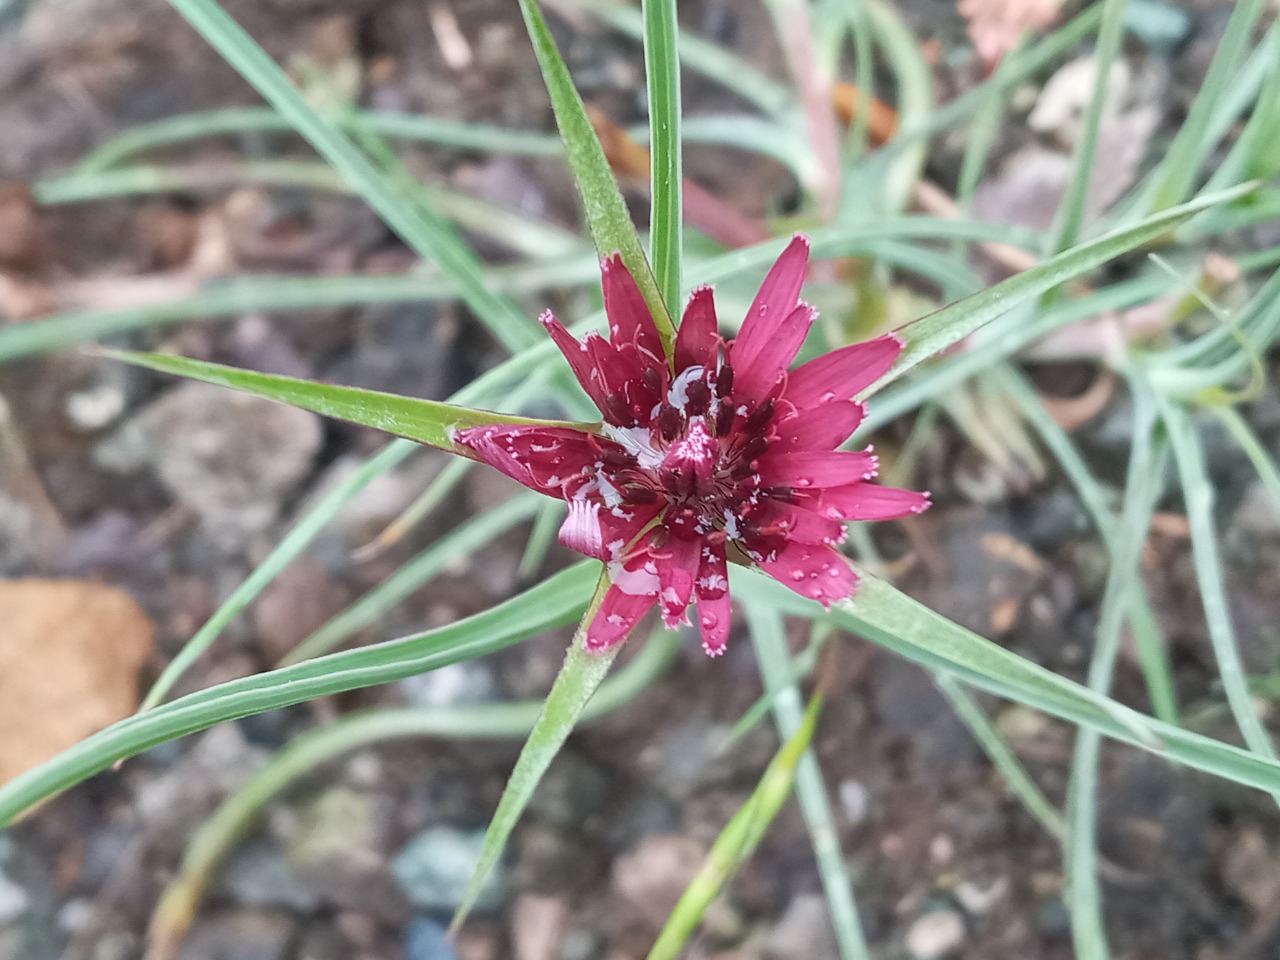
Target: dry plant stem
[{"x": 795, "y": 30}]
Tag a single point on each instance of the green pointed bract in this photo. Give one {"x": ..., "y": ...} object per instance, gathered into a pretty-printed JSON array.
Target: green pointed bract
[{"x": 425, "y": 421}]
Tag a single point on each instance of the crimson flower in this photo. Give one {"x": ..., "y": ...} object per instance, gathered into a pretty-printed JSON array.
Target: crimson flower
[{"x": 713, "y": 454}]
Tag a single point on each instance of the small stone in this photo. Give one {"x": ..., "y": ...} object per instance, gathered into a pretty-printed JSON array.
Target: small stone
[
  {"x": 936, "y": 934},
  {"x": 537, "y": 927},
  {"x": 242, "y": 935},
  {"x": 804, "y": 932},
  {"x": 257, "y": 875},
  {"x": 336, "y": 852},
  {"x": 651, "y": 879},
  {"x": 231, "y": 457},
  {"x": 435, "y": 866},
  {"x": 1161, "y": 26},
  {"x": 13, "y": 901},
  {"x": 466, "y": 682},
  {"x": 427, "y": 939},
  {"x": 855, "y": 801}
]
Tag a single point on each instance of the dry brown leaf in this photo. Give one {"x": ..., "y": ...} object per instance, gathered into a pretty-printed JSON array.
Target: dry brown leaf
[{"x": 70, "y": 652}]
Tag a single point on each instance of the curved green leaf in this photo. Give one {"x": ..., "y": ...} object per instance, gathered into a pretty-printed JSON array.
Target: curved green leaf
[
  {"x": 426, "y": 421},
  {"x": 556, "y": 602}
]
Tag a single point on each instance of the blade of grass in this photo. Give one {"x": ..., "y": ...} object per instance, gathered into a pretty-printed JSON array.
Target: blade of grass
[
  {"x": 1198, "y": 493},
  {"x": 769, "y": 639},
  {"x": 1001, "y": 757},
  {"x": 425, "y": 421},
  {"x": 1153, "y": 656},
  {"x": 662, "y": 67},
  {"x": 237, "y": 121},
  {"x": 737, "y": 840},
  {"x": 221, "y": 831},
  {"x": 459, "y": 543},
  {"x": 192, "y": 299},
  {"x": 607, "y": 216},
  {"x": 939, "y": 330},
  {"x": 1142, "y": 486},
  {"x": 1253, "y": 449},
  {"x": 1181, "y": 164},
  {"x": 555, "y": 602},
  {"x": 1072, "y": 209},
  {"x": 425, "y": 232},
  {"x": 295, "y": 541},
  {"x": 574, "y": 686}
]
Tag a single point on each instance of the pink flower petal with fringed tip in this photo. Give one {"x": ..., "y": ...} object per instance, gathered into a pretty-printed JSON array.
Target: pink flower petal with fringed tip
[
  {"x": 698, "y": 338},
  {"x": 755, "y": 375},
  {"x": 678, "y": 562},
  {"x": 629, "y": 318},
  {"x": 812, "y": 470},
  {"x": 550, "y": 460},
  {"x": 817, "y": 572},
  {"x": 712, "y": 591},
  {"x": 778, "y": 297},
  {"x": 618, "y": 614},
  {"x": 868, "y": 501},
  {"x": 577, "y": 354},
  {"x": 843, "y": 373},
  {"x": 819, "y": 428}
]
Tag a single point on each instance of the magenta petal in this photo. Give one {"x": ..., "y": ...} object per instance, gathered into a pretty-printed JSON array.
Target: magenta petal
[
  {"x": 842, "y": 373},
  {"x": 819, "y": 428},
  {"x": 678, "y": 563},
  {"x": 620, "y": 525},
  {"x": 812, "y": 470},
  {"x": 869, "y": 501},
  {"x": 755, "y": 374},
  {"x": 629, "y": 318},
  {"x": 715, "y": 616},
  {"x": 775, "y": 302},
  {"x": 714, "y": 612},
  {"x": 817, "y": 572},
  {"x": 551, "y": 460},
  {"x": 698, "y": 339},
  {"x": 801, "y": 522},
  {"x": 576, "y": 353},
  {"x": 619, "y": 612}
]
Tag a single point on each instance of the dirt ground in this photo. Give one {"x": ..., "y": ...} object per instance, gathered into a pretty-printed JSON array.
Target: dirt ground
[{"x": 172, "y": 493}]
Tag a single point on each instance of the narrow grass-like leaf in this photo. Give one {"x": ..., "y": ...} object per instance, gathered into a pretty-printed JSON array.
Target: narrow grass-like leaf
[
  {"x": 934, "y": 333},
  {"x": 191, "y": 299},
  {"x": 1194, "y": 141},
  {"x": 662, "y": 66},
  {"x": 1142, "y": 485},
  {"x": 425, "y": 421},
  {"x": 607, "y": 216},
  {"x": 711, "y": 60},
  {"x": 294, "y": 542},
  {"x": 1198, "y": 493},
  {"x": 578, "y": 679},
  {"x": 769, "y": 638},
  {"x": 1002, "y": 758},
  {"x": 458, "y": 543},
  {"x": 427, "y": 233},
  {"x": 221, "y": 831},
  {"x": 737, "y": 840},
  {"x": 1253, "y": 449},
  {"x": 889, "y": 618},
  {"x": 236, "y": 121},
  {"x": 556, "y": 602},
  {"x": 1072, "y": 209},
  {"x": 1153, "y": 655}
]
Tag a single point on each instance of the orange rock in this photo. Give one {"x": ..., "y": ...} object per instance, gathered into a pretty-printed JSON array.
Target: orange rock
[{"x": 70, "y": 652}]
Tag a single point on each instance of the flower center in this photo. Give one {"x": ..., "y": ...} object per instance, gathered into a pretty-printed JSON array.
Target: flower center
[{"x": 700, "y": 457}]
